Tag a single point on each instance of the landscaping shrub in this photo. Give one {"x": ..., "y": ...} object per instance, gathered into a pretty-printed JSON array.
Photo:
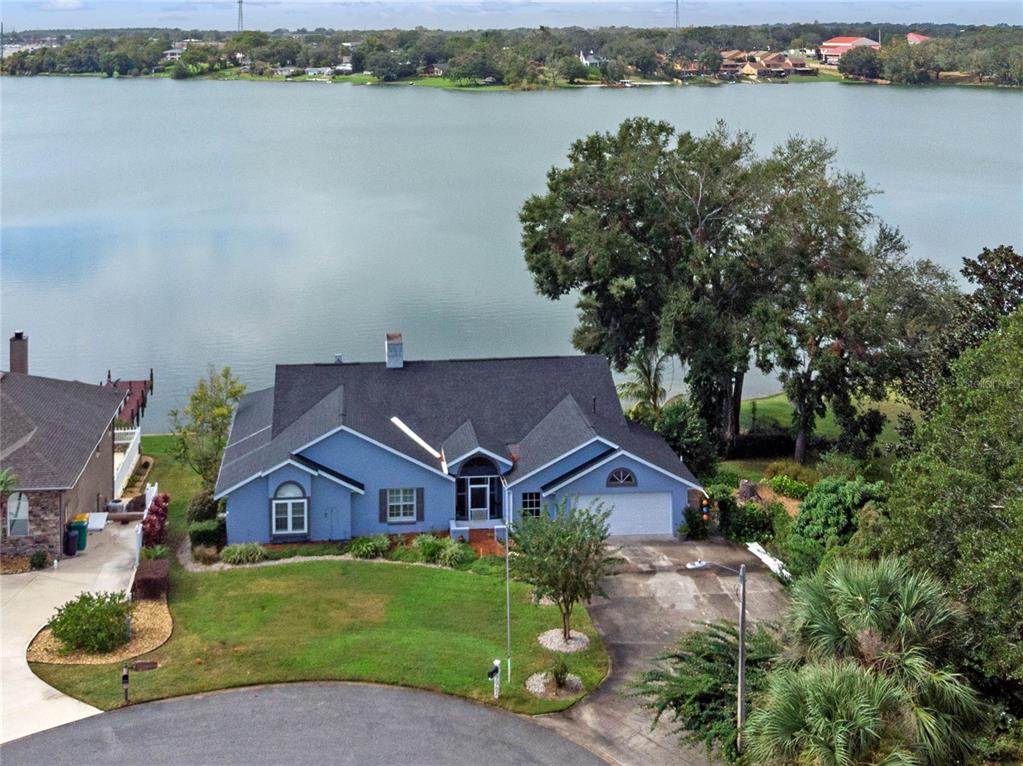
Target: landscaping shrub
[
  {"x": 369, "y": 547},
  {"x": 429, "y": 547},
  {"x": 827, "y": 517},
  {"x": 724, "y": 477},
  {"x": 793, "y": 470},
  {"x": 154, "y": 528},
  {"x": 209, "y": 533},
  {"x": 789, "y": 487},
  {"x": 559, "y": 672},
  {"x": 406, "y": 553},
  {"x": 243, "y": 553},
  {"x": 748, "y": 523},
  {"x": 455, "y": 554},
  {"x": 205, "y": 554},
  {"x": 38, "y": 559},
  {"x": 202, "y": 507},
  {"x": 839, "y": 465},
  {"x": 694, "y": 527},
  {"x": 92, "y": 622},
  {"x": 154, "y": 553},
  {"x": 686, "y": 432},
  {"x": 152, "y": 579}
]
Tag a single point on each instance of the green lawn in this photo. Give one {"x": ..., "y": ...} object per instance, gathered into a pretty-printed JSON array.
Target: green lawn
[
  {"x": 776, "y": 407},
  {"x": 333, "y": 620}
]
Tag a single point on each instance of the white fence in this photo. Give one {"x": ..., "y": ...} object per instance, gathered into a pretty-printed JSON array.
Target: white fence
[{"x": 130, "y": 438}]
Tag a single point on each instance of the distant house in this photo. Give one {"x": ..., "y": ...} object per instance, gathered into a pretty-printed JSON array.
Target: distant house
[
  {"x": 734, "y": 56},
  {"x": 688, "y": 70},
  {"x": 459, "y": 447},
  {"x": 172, "y": 54},
  {"x": 438, "y": 69},
  {"x": 319, "y": 71},
  {"x": 345, "y": 67},
  {"x": 285, "y": 71},
  {"x": 831, "y": 50},
  {"x": 591, "y": 58},
  {"x": 914, "y": 38},
  {"x": 58, "y": 441}
]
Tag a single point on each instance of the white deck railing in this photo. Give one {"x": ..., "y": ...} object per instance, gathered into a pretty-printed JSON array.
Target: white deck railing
[{"x": 130, "y": 439}]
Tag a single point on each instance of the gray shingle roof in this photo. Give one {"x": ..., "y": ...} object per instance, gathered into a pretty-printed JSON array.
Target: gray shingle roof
[
  {"x": 49, "y": 428},
  {"x": 528, "y": 409}
]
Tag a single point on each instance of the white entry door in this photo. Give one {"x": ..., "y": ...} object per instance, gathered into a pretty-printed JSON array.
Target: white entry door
[{"x": 635, "y": 513}]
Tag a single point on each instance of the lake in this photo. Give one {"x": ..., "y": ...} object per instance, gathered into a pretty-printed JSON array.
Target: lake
[{"x": 164, "y": 224}]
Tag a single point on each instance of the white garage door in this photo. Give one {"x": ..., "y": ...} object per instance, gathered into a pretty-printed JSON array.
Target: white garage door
[{"x": 635, "y": 513}]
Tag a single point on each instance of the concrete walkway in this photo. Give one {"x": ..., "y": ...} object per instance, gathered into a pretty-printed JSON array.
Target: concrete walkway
[{"x": 27, "y": 602}]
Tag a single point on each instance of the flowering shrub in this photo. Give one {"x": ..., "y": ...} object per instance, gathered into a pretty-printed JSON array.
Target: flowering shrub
[{"x": 154, "y": 526}]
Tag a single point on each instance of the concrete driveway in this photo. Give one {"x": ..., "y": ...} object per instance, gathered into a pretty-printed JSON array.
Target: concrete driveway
[
  {"x": 304, "y": 723},
  {"x": 27, "y": 602},
  {"x": 649, "y": 604}
]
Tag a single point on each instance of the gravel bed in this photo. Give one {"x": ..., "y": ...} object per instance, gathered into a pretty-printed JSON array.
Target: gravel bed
[
  {"x": 555, "y": 641},
  {"x": 542, "y": 685}
]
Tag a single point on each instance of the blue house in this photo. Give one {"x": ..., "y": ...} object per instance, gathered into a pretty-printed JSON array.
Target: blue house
[{"x": 335, "y": 451}]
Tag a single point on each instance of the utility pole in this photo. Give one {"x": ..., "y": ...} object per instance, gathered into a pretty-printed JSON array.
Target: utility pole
[
  {"x": 742, "y": 657},
  {"x": 1, "y": 47},
  {"x": 676, "y": 19},
  {"x": 241, "y": 25}
]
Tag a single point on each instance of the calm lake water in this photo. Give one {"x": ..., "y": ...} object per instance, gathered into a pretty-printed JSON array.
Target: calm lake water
[{"x": 177, "y": 224}]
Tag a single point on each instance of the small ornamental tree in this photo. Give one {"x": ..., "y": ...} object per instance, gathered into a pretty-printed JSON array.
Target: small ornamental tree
[
  {"x": 564, "y": 556},
  {"x": 201, "y": 427}
]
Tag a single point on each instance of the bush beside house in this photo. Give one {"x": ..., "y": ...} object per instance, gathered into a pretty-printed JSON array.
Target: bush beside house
[{"x": 93, "y": 622}]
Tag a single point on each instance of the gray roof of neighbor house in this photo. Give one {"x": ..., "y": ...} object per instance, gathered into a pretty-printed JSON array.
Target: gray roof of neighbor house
[
  {"x": 50, "y": 428},
  {"x": 527, "y": 410}
]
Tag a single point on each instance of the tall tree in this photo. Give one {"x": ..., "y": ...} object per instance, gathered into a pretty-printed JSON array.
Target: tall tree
[
  {"x": 202, "y": 427},
  {"x": 956, "y": 509}
]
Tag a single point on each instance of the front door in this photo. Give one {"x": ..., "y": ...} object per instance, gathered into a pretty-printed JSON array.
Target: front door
[{"x": 479, "y": 498}]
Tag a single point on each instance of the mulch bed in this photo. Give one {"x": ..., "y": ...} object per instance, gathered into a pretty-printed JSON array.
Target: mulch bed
[
  {"x": 151, "y": 626},
  {"x": 555, "y": 641},
  {"x": 14, "y": 565}
]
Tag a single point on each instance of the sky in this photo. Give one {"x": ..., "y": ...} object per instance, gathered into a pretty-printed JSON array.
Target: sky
[{"x": 470, "y": 14}]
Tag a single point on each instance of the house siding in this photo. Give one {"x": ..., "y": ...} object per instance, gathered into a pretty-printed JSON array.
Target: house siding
[
  {"x": 647, "y": 480},
  {"x": 378, "y": 469},
  {"x": 563, "y": 466}
]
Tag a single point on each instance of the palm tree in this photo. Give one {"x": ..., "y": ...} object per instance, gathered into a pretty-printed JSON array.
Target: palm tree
[
  {"x": 7, "y": 480},
  {"x": 646, "y": 388},
  {"x": 872, "y": 639}
]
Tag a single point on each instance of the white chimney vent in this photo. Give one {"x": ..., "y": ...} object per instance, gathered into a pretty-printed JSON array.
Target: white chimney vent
[{"x": 395, "y": 353}]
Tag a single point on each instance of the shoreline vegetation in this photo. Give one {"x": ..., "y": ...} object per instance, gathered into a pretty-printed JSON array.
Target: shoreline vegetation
[{"x": 539, "y": 59}]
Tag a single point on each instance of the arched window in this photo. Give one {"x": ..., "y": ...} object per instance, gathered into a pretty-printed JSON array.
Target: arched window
[
  {"x": 621, "y": 477},
  {"x": 290, "y": 510},
  {"x": 17, "y": 514}
]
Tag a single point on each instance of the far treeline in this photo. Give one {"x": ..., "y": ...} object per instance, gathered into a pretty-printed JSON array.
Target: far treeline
[{"x": 525, "y": 58}]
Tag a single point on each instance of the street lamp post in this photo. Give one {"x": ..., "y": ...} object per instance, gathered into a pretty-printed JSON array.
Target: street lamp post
[{"x": 741, "y": 695}]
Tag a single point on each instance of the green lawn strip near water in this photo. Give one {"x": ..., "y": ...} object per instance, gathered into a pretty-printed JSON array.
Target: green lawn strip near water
[
  {"x": 777, "y": 408},
  {"x": 389, "y": 623}
]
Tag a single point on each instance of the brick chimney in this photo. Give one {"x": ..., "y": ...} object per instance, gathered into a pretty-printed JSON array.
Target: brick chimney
[
  {"x": 19, "y": 353},
  {"x": 395, "y": 352}
]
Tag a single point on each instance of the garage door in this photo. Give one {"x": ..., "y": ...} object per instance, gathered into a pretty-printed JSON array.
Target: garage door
[{"x": 635, "y": 513}]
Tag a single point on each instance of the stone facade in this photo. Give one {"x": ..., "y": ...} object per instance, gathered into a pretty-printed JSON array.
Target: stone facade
[
  {"x": 45, "y": 526},
  {"x": 49, "y": 510}
]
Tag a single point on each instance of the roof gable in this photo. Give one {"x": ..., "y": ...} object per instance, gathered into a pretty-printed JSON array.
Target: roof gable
[{"x": 51, "y": 427}]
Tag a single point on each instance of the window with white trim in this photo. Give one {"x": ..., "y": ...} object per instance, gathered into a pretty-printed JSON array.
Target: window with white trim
[
  {"x": 17, "y": 514},
  {"x": 530, "y": 503},
  {"x": 401, "y": 504},
  {"x": 290, "y": 513},
  {"x": 621, "y": 477}
]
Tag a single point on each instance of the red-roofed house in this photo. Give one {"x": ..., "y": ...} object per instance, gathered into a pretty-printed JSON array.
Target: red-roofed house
[
  {"x": 913, "y": 38},
  {"x": 831, "y": 50}
]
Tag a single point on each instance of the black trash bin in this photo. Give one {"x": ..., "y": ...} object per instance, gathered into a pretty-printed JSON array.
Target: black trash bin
[{"x": 70, "y": 541}]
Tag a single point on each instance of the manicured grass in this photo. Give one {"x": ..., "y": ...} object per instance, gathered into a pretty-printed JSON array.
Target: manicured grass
[
  {"x": 333, "y": 620},
  {"x": 443, "y": 83},
  {"x": 777, "y": 408},
  {"x": 751, "y": 469}
]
